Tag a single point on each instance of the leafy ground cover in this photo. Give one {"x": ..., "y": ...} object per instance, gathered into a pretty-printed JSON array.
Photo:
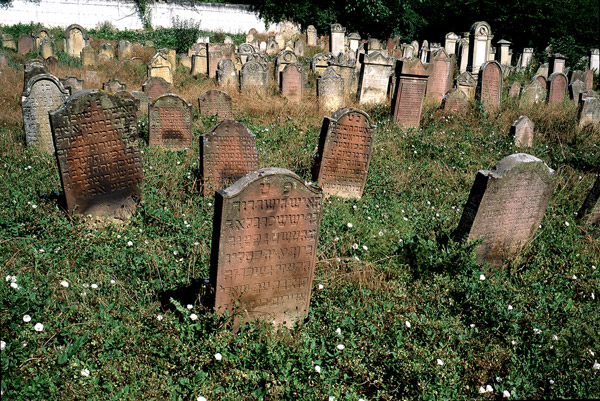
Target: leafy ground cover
[{"x": 398, "y": 310}]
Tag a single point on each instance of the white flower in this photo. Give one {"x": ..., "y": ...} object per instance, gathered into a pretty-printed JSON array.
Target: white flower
[
  {"x": 537, "y": 331},
  {"x": 349, "y": 225},
  {"x": 34, "y": 206},
  {"x": 551, "y": 381},
  {"x": 555, "y": 337},
  {"x": 593, "y": 296},
  {"x": 317, "y": 369},
  {"x": 190, "y": 306},
  {"x": 193, "y": 316},
  {"x": 118, "y": 236},
  {"x": 510, "y": 307},
  {"x": 331, "y": 398},
  {"x": 355, "y": 246},
  {"x": 200, "y": 398},
  {"x": 38, "y": 327},
  {"x": 407, "y": 324},
  {"x": 338, "y": 331},
  {"x": 341, "y": 347},
  {"x": 27, "y": 318},
  {"x": 85, "y": 285},
  {"x": 481, "y": 277},
  {"x": 175, "y": 253},
  {"x": 472, "y": 325},
  {"x": 513, "y": 342},
  {"x": 566, "y": 224},
  {"x": 505, "y": 394},
  {"x": 354, "y": 207},
  {"x": 11, "y": 278},
  {"x": 159, "y": 317},
  {"x": 489, "y": 389},
  {"x": 14, "y": 285},
  {"x": 64, "y": 284},
  {"x": 498, "y": 379},
  {"x": 594, "y": 267},
  {"x": 440, "y": 362},
  {"x": 85, "y": 372},
  {"x": 218, "y": 356},
  {"x": 321, "y": 286},
  {"x": 2, "y": 345},
  {"x": 591, "y": 352},
  {"x": 381, "y": 233},
  {"x": 94, "y": 286},
  {"x": 481, "y": 390},
  {"x": 365, "y": 248},
  {"x": 112, "y": 281},
  {"x": 129, "y": 243},
  {"x": 596, "y": 366}
]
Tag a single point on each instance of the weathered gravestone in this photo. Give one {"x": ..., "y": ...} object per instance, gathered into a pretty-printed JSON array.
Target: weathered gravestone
[
  {"x": 199, "y": 56},
  {"x": 170, "y": 122},
  {"x": 345, "y": 65},
  {"x": 440, "y": 78},
  {"x": 159, "y": 66},
  {"x": 96, "y": 141},
  {"x": 3, "y": 61},
  {"x": 337, "y": 39},
  {"x": 590, "y": 210},
  {"x": 589, "y": 111},
  {"x": 72, "y": 84},
  {"x": 75, "y": 39},
  {"x": 88, "y": 56},
  {"x": 344, "y": 153},
  {"x": 489, "y": 86},
  {"x": 541, "y": 79},
  {"x": 557, "y": 87},
  {"x": 226, "y": 74},
  {"x": 533, "y": 93},
  {"x": 155, "y": 87},
  {"x": 330, "y": 90},
  {"x": 575, "y": 89},
  {"x": 467, "y": 83},
  {"x": 124, "y": 49},
  {"x": 43, "y": 93},
  {"x": 522, "y": 130},
  {"x": 514, "y": 90},
  {"x": 142, "y": 100},
  {"x": 171, "y": 56},
  {"x": 8, "y": 42},
  {"x": 299, "y": 47},
  {"x": 25, "y": 44},
  {"x": 216, "y": 102},
  {"x": 39, "y": 35},
  {"x": 375, "y": 78},
  {"x": 31, "y": 71},
  {"x": 265, "y": 236},
  {"x": 292, "y": 82},
  {"x": 311, "y": 35},
  {"x": 244, "y": 50},
  {"x": 589, "y": 79},
  {"x": 216, "y": 52},
  {"x": 319, "y": 62},
  {"x": 284, "y": 58},
  {"x": 126, "y": 95},
  {"x": 411, "y": 84},
  {"x": 253, "y": 77},
  {"x": 113, "y": 86},
  {"x": 47, "y": 48},
  {"x": 106, "y": 51},
  {"x": 455, "y": 101},
  {"x": 505, "y": 206},
  {"x": 227, "y": 153}
]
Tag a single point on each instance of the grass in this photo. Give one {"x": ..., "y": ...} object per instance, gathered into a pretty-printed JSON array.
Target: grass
[{"x": 402, "y": 269}]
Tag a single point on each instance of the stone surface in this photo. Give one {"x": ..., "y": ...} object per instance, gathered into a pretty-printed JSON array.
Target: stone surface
[
  {"x": 533, "y": 93},
  {"x": 345, "y": 65},
  {"x": 337, "y": 39},
  {"x": 299, "y": 47},
  {"x": 47, "y": 48},
  {"x": 96, "y": 140},
  {"x": 344, "y": 153},
  {"x": 88, "y": 56},
  {"x": 43, "y": 93},
  {"x": 467, "y": 83},
  {"x": 589, "y": 79},
  {"x": 440, "y": 78},
  {"x": 227, "y": 153},
  {"x": 589, "y": 112},
  {"x": 33, "y": 70},
  {"x": 124, "y": 49},
  {"x": 226, "y": 74},
  {"x": 72, "y": 84},
  {"x": 216, "y": 52},
  {"x": 590, "y": 210},
  {"x": 311, "y": 36},
  {"x": 292, "y": 82},
  {"x": 557, "y": 87},
  {"x": 155, "y": 87},
  {"x": 126, "y": 95},
  {"x": 522, "y": 130},
  {"x": 505, "y": 207},
  {"x": 200, "y": 61},
  {"x": 489, "y": 86},
  {"x": 106, "y": 50},
  {"x": 514, "y": 90},
  {"x": 25, "y": 44},
  {"x": 480, "y": 38},
  {"x": 114, "y": 85},
  {"x": 265, "y": 236},
  {"x": 253, "y": 77},
  {"x": 319, "y": 62},
  {"x": 170, "y": 122},
  {"x": 330, "y": 90},
  {"x": 455, "y": 101},
  {"x": 284, "y": 58},
  {"x": 216, "y": 102},
  {"x": 159, "y": 66},
  {"x": 39, "y": 35},
  {"x": 375, "y": 78},
  {"x": 411, "y": 84},
  {"x": 8, "y": 42},
  {"x": 75, "y": 40},
  {"x": 575, "y": 89}
]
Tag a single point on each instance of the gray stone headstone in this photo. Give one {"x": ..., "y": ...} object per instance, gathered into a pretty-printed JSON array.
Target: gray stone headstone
[
  {"x": 589, "y": 111},
  {"x": 375, "y": 78},
  {"x": 72, "y": 84},
  {"x": 575, "y": 89},
  {"x": 113, "y": 86},
  {"x": 590, "y": 210},
  {"x": 330, "y": 90},
  {"x": 533, "y": 93},
  {"x": 253, "y": 77},
  {"x": 522, "y": 131},
  {"x": 226, "y": 74}
]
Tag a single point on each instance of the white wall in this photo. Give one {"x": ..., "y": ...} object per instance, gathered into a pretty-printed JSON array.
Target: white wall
[{"x": 230, "y": 18}]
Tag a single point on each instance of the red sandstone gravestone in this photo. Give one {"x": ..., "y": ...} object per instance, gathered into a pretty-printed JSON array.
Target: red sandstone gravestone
[
  {"x": 25, "y": 44},
  {"x": 96, "y": 141},
  {"x": 170, "y": 122},
  {"x": 216, "y": 102},
  {"x": 557, "y": 87},
  {"x": 155, "y": 87},
  {"x": 292, "y": 82},
  {"x": 440, "y": 80},
  {"x": 344, "y": 153},
  {"x": 489, "y": 88},
  {"x": 455, "y": 101},
  {"x": 265, "y": 236},
  {"x": 411, "y": 86}
]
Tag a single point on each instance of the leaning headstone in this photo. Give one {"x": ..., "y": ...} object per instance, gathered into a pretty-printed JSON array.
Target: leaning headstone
[
  {"x": 575, "y": 89},
  {"x": 160, "y": 67},
  {"x": 227, "y": 74},
  {"x": 43, "y": 93},
  {"x": 113, "y": 86},
  {"x": 330, "y": 90},
  {"x": 73, "y": 84},
  {"x": 541, "y": 79},
  {"x": 455, "y": 101},
  {"x": 253, "y": 77},
  {"x": 25, "y": 44},
  {"x": 557, "y": 87},
  {"x": 216, "y": 102},
  {"x": 590, "y": 210},
  {"x": 337, "y": 39},
  {"x": 227, "y": 153},
  {"x": 589, "y": 111},
  {"x": 88, "y": 56},
  {"x": 75, "y": 40},
  {"x": 505, "y": 207},
  {"x": 155, "y": 87},
  {"x": 440, "y": 78},
  {"x": 293, "y": 82},
  {"x": 124, "y": 49},
  {"x": 522, "y": 131},
  {"x": 411, "y": 84},
  {"x": 170, "y": 122},
  {"x": 344, "y": 153},
  {"x": 533, "y": 93},
  {"x": 375, "y": 78},
  {"x": 489, "y": 88},
  {"x": 266, "y": 231},
  {"x": 96, "y": 141},
  {"x": 311, "y": 35}
]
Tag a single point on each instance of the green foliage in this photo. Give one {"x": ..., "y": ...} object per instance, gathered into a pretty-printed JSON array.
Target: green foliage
[{"x": 185, "y": 33}]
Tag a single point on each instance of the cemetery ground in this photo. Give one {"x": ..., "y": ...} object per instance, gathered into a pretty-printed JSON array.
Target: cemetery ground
[{"x": 398, "y": 310}]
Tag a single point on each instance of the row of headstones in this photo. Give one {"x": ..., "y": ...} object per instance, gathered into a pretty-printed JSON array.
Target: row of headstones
[{"x": 266, "y": 224}]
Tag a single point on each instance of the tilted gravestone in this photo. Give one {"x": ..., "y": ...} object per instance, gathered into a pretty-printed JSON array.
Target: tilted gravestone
[
  {"x": 96, "y": 140},
  {"x": 590, "y": 210},
  {"x": 253, "y": 77},
  {"x": 589, "y": 111},
  {"x": 330, "y": 90},
  {"x": 522, "y": 131},
  {"x": 33, "y": 70},
  {"x": 299, "y": 47},
  {"x": 170, "y": 122},
  {"x": 440, "y": 78},
  {"x": 489, "y": 86},
  {"x": 265, "y": 236},
  {"x": 533, "y": 93},
  {"x": 227, "y": 153},
  {"x": 43, "y": 93},
  {"x": 455, "y": 101},
  {"x": 411, "y": 85},
  {"x": 557, "y": 87},
  {"x": 226, "y": 74},
  {"x": 216, "y": 102},
  {"x": 505, "y": 206},
  {"x": 375, "y": 78},
  {"x": 541, "y": 79},
  {"x": 75, "y": 39},
  {"x": 292, "y": 82},
  {"x": 344, "y": 153},
  {"x": 114, "y": 85},
  {"x": 155, "y": 87}
]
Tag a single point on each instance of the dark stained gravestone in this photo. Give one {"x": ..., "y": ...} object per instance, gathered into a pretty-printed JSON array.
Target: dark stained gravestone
[
  {"x": 590, "y": 210},
  {"x": 411, "y": 85},
  {"x": 292, "y": 82},
  {"x": 123, "y": 94},
  {"x": 455, "y": 101},
  {"x": 505, "y": 207},
  {"x": 253, "y": 78},
  {"x": 113, "y": 86},
  {"x": 265, "y": 236},
  {"x": 557, "y": 87},
  {"x": 31, "y": 71},
  {"x": 522, "y": 130},
  {"x": 170, "y": 122},
  {"x": 142, "y": 100},
  {"x": 227, "y": 153},
  {"x": 43, "y": 93},
  {"x": 96, "y": 141},
  {"x": 216, "y": 102},
  {"x": 344, "y": 153},
  {"x": 25, "y": 44},
  {"x": 155, "y": 87},
  {"x": 489, "y": 87}
]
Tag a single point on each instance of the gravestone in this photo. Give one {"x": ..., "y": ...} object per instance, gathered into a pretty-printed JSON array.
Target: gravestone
[
  {"x": 589, "y": 79},
  {"x": 292, "y": 82},
  {"x": 353, "y": 41},
  {"x": 557, "y": 87},
  {"x": 505, "y": 207},
  {"x": 226, "y": 74},
  {"x": 244, "y": 51},
  {"x": 345, "y": 65},
  {"x": 52, "y": 63},
  {"x": 142, "y": 100},
  {"x": 33, "y": 70},
  {"x": 39, "y": 35},
  {"x": 265, "y": 236},
  {"x": 450, "y": 43},
  {"x": 200, "y": 61},
  {"x": 126, "y": 95},
  {"x": 216, "y": 52},
  {"x": 541, "y": 79},
  {"x": 106, "y": 51},
  {"x": 88, "y": 56},
  {"x": 25, "y": 44},
  {"x": 440, "y": 79},
  {"x": 344, "y": 153},
  {"x": 159, "y": 66},
  {"x": 171, "y": 57},
  {"x": 375, "y": 78},
  {"x": 311, "y": 35},
  {"x": 280, "y": 40},
  {"x": 3, "y": 61},
  {"x": 533, "y": 93},
  {"x": 526, "y": 57},
  {"x": 216, "y": 102},
  {"x": 411, "y": 84},
  {"x": 113, "y": 86},
  {"x": 489, "y": 85},
  {"x": 589, "y": 111},
  {"x": 467, "y": 83},
  {"x": 8, "y": 42},
  {"x": 590, "y": 210},
  {"x": 522, "y": 131},
  {"x": 407, "y": 51},
  {"x": 455, "y": 101},
  {"x": 227, "y": 153},
  {"x": 462, "y": 51},
  {"x": 170, "y": 122},
  {"x": 253, "y": 78},
  {"x": 43, "y": 93},
  {"x": 75, "y": 39},
  {"x": 514, "y": 90},
  {"x": 337, "y": 39},
  {"x": 47, "y": 48},
  {"x": 155, "y": 87},
  {"x": 284, "y": 58},
  {"x": 575, "y": 89},
  {"x": 72, "y": 84},
  {"x": 374, "y": 45},
  {"x": 185, "y": 61},
  {"x": 124, "y": 49},
  {"x": 330, "y": 90},
  {"x": 272, "y": 46},
  {"x": 480, "y": 38},
  {"x": 319, "y": 63},
  {"x": 96, "y": 140},
  {"x": 299, "y": 47}
]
